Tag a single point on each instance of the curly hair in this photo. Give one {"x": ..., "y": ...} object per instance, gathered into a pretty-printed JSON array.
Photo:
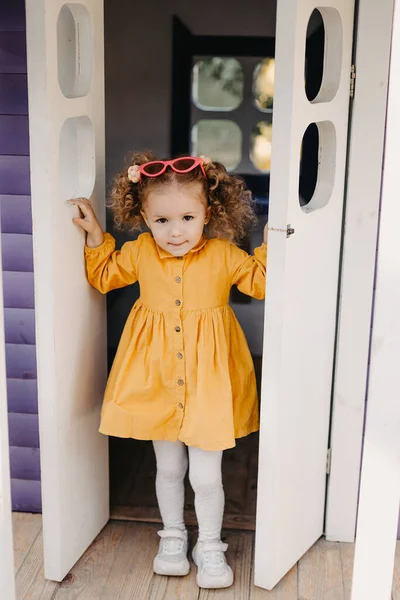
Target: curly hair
[{"x": 232, "y": 212}]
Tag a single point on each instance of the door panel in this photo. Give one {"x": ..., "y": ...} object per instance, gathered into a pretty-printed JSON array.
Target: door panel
[
  {"x": 65, "y": 45},
  {"x": 302, "y": 283}
]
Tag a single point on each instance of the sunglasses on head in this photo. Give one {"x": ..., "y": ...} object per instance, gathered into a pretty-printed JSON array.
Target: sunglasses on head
[{"x": 179, "y": 165}]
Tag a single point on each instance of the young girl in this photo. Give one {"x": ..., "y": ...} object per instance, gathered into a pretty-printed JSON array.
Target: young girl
[{"x": 183, "y": 375}]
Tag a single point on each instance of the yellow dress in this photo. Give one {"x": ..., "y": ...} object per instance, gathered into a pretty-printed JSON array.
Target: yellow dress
[{"x": 183, "y": 369}]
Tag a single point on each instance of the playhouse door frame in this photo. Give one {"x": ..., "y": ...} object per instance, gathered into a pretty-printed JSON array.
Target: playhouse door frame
[
  {"x": 366, "y": 143},
  {"x": 378, "y": 514},
  {"x": 357, "y": 271}
]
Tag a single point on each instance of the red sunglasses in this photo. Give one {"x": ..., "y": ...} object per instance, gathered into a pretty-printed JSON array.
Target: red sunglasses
[{"x": 179, "y": 165}]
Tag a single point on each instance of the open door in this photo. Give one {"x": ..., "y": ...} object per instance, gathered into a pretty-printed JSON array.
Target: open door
[
  {"x": 7, "y": 585},
  {"x": 309, "y": 144},
  {"x": 65, "y": 51}
]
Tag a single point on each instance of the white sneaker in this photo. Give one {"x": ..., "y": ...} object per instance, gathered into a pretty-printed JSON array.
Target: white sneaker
[
  {"x": 213, "y": 572},
  {"x": 172, "y": 553}
]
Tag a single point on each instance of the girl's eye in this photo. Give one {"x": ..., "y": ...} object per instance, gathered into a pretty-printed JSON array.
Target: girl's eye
[
  {"x": 162, "y": 220},
  {"x": 187, "y": 217}
]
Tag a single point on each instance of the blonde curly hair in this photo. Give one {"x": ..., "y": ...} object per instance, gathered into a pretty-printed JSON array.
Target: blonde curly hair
[{"x": 232, "y": 212}]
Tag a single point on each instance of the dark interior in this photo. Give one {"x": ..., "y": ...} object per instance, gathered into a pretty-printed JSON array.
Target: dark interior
[{"x": 132, "y": 462}]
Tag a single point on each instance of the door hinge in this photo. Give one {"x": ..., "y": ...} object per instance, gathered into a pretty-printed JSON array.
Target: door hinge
[
  {"x": 328, "y": 461},
  {"x": 352, "y": 80}
]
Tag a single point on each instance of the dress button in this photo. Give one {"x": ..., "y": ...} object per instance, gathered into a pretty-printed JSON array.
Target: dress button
[
  {"x": 180, "y": 405},
  {"x": 179, "y": 257},
  {"x": 179, "y": 355},
  {"x": 178, "y": 279},
  {"x": 177, "y": 329},
  {"x": 178, "y": 302},
  {"x": 181, "y": 382}
]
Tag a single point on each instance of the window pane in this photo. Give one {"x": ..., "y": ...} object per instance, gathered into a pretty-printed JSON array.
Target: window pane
[
  {"x": 263, "y": 84},
  {"x": 219, "y": 139},
  {"x": 217, "y": 84},
  {"x": 260, "y": 146}
]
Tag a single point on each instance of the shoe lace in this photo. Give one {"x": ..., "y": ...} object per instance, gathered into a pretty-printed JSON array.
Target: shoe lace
[
  {"x": 214, "y": 558},
  {"x": 172, "y": 541},
  {"x": 172, "y": 545},
  {"x": 214, "y": 553}
]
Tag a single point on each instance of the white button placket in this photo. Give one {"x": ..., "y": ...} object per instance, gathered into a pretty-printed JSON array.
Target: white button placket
[{"x": 178, "y": 338}]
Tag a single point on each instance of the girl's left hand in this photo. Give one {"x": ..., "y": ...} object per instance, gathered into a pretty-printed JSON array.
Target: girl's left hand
[
  {"x": 88, "y": 221},
  {"x": 266, "y": 233}
]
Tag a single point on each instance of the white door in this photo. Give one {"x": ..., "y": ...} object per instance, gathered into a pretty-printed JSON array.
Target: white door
[
  {"x": 7, "y": 586},
  {"x": 302, "y": 285},
  {"x": 65, "y": 47}
]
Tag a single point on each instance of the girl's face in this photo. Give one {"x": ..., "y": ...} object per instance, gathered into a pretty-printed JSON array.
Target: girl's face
[{"x": 176, "y": 215}]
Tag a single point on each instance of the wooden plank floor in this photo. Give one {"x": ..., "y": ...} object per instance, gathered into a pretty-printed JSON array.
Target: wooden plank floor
[{"x": 118, "y": 566}]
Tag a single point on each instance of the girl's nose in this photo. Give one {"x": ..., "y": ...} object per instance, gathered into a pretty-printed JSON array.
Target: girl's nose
[{"x": 175, "y": 232}]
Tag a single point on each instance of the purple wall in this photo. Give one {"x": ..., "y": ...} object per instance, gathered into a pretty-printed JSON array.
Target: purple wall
[{"x": 16, "y": 241}]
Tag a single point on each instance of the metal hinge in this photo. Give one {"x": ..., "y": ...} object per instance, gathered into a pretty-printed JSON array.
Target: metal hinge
[
  {"x": 328, "y": 461},
  {"x": 352, "y": 80}
]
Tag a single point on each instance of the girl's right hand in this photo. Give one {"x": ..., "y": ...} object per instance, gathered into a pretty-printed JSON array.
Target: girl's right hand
[{"x": 88, "y": 221}]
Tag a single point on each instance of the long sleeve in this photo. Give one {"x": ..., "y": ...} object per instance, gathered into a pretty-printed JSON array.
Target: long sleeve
[
  {"x": 109, "y": 269},
  {"x": 249, "y": 271}
]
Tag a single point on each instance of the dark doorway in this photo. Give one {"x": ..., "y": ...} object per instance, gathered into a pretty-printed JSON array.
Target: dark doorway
[{"x": 132, "y": 463}]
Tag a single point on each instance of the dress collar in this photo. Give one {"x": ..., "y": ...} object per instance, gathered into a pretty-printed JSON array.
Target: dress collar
[{"x": 200, "y": 244}]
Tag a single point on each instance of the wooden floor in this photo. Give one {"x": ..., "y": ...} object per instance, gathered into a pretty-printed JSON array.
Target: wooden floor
[{"x": 118, "y": 566}]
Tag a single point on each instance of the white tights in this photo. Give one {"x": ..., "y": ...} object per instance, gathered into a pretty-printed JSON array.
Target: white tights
[{"x": 206, "y": 480}]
